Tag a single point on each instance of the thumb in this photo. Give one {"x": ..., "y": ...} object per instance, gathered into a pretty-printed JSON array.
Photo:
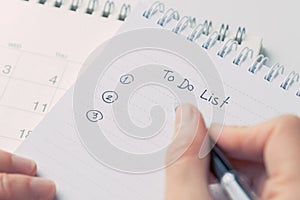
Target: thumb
[{"x": 188, "y": 177}]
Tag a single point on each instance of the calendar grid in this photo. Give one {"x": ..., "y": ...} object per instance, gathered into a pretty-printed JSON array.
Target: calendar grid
[
  {"x": 10, "y": 138},
  {"x": 28, "y": 93},
  {"x": 38, "y": 54},
  {"x": 11, "y": 74},
  {"x": 59, "y": 81},
  {"x": 23, "y": 110},
  {"x": 33, "y": 82}
]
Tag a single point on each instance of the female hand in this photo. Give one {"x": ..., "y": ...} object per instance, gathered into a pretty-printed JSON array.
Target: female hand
[
  {"x": 17, "y": 180},
  {"x": 268, "y": 155}
]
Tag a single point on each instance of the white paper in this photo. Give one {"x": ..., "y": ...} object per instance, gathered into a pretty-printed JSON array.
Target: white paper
[
  {"x": 60, "y": 155},
  {"x": 42, "y": 49}
]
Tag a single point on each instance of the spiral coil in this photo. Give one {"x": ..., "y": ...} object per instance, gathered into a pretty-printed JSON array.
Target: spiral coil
[
  {"x": 230, "y": 44},
  {"x": 223, "y": 32},
  {"x": 258, "y": 63},
  {"x": 169, "y": 15},
  {"x": 124, "y": 12},
  {"x": 227, "y": 48},
  {"x": 108, "y": 8},
  {"x": 240, "y": 35},
  {"x": 58, "y": 3},
  {"x": 290, "y": 80},
  {"x": 154, "y": 8},
  {"x": 211, "y": 41},
  {"x": 242, "y": 56},
  {"x": 273, "y": 73},
  {"x": 91, "y": 7},
  {"x": 74, "y": 5},
  {"x": 184, "y": 23}
]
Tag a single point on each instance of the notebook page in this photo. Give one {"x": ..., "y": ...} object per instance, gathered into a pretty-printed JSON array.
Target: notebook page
[
  {"x": 61, "y": 135},
  {"x": 60, "y": 155},
  {"x": 42, "y": 49}
]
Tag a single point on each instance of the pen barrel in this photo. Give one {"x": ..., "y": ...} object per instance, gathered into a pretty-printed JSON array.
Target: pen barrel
[{"x": 236, "y": 188}]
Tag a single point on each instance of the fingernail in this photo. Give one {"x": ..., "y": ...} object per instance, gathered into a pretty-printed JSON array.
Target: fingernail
[
  {"x": 23, "y": 165},
  {"x": 42, "y": 188}
]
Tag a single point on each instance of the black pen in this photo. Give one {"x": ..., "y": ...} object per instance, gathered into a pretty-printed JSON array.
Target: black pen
[{"x": 228, "y": 177}]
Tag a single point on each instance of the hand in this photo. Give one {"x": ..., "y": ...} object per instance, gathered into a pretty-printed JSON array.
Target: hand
[
  {"x": 17, "y": 180},
  {"x": 268, "y": 155}
]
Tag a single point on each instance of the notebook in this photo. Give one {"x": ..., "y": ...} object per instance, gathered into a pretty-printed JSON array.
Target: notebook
[
  {"x": 42, "y": 46},
  {"x": 256, "y": 93},
  {"x": 42, "y": 56}
]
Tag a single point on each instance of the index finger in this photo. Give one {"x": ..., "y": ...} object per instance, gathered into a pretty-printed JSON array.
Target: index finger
[
  {"x": 276, "y": 142},
  {"x": 10, "y": 163},
  {"x": 17, "y": 187}
]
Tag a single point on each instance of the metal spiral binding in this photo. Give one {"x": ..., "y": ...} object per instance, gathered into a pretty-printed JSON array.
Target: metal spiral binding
[
  {"x": 240, "y": 35},
  {"x": 298, "y": 93},
  {"x": 58, "y": 3},
  {"x": 196, "y": 33},
  {"x": 227, "y": 48},
  {"x": 74, "y": 5},
  {"x": 199, "y": 30},
  {"x": 108, "y": 8},
  {"x": 154, "y": 8},
  {"x": 183, "y": 23},
  {"x": 169, "y": 15},
  {"x": 124, "y": 12},
  {"x": 92, "y": 7},
  {"x": 208, "y": 25},
  {"x": 221, "y": 35},
  {"x": 290, "y": 80},
  {"x": 258, "y": 63},
  {"x": 211, "y": 40},
  {"x": 243, "y": 55},
  {"x": 42, "y": 1},
  {"x": 223, "y": 32},
  {"x": 274, "y": 72}
]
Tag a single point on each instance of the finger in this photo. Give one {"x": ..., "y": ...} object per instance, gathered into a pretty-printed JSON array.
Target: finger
[
  {"x": 255, "y": 143},
  {"x": 253, "y": 173},
  {"x": 17, "y": 187},
  {"x": 277, "y": 144},
  {"x": 188, "y": 177},
  {"x": 283, "y": 144},
  {"x": 11, "y": 163},
  {"x": 282, "y": 160},
  {"x": 242, "y": 142}
]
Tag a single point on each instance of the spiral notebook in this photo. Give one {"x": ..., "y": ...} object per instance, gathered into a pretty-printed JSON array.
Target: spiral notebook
[
  {"x": 41, "y": 56},
  {"x": 42, "y": 47},
  {"x": 256, "y": 92}
]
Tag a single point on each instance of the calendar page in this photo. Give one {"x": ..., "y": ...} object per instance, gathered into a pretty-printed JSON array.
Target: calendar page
[{"x": 42, "y": 49}]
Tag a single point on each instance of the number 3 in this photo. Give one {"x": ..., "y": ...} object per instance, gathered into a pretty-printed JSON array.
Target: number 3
[{"x": 6, "y": 69}]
